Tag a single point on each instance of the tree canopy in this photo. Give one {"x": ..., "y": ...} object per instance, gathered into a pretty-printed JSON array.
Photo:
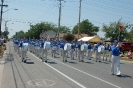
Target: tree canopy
[
  {"x": 35, "y": 30},
  {"x": 112, "y": 31},
  {"x": 86, "y": 27}
]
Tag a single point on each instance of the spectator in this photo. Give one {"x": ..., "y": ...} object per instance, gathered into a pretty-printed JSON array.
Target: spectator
[{"x": 129, "y": 54}]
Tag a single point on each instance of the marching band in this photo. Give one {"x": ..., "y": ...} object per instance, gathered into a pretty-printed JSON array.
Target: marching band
[{"x": 41, "y": 48}]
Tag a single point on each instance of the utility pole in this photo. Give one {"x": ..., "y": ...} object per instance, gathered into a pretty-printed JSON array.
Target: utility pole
[
  {"x": 59, "y": 18},
  {"x": 79, "y": 17},
  {"x": 2, "y": 2}
]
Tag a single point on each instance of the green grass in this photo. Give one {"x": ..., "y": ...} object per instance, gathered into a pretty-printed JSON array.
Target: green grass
[{"x": 126, "y": 59}]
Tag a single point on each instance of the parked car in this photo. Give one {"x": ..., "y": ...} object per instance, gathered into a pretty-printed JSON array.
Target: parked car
[{"x": 126, "y": 46}]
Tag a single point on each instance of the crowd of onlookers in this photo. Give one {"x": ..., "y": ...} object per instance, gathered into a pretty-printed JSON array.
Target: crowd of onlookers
[{"x": 128, "y": 55}]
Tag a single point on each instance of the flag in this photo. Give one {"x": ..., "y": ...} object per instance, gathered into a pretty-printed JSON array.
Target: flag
[{"x": 121, "y": 27}]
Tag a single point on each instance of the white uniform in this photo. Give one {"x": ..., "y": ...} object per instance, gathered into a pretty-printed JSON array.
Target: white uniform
[
  {"x": 24, "y": 51},
  {"x": 105, "y": 53},
  {"x": 97, "y": 53},
  {"x": 115, "y": 58}
]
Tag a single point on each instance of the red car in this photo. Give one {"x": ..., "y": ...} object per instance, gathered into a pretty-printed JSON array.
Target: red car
[{"x": 126, "y": 46}]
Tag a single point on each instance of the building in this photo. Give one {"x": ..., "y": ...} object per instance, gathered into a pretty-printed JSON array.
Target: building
[{"x": 50, "y": 34}]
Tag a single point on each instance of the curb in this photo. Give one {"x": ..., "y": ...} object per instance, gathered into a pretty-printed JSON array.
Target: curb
[{"x": 2, "y": 63}]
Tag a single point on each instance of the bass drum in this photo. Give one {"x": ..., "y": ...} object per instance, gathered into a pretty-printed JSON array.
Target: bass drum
[
  {"x": 67, "y": 46},
  {"x": 101, "y": 49},
  {"x": 25, "y": 46},
  {"x": 47, "y": 45},
  {"x": 84, "y": 47}
]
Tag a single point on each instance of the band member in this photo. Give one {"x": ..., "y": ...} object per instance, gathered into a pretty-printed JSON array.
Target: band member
[
  {"x": 20, "y": 48},
  {"x": 115, "y": 58},
  {"x": 110, "y": 52},
  {"x": 98, "y": 57},
  {"x": 80, "y": 53},
  {"x": 105, "y": 51},
  {"x": 89, "y": 51},
  {"x": 72, "y": 50},
  {"x": 54, "y": 48},
  {"x": 62, "y": 47},
  {"x": 45, "y": 50},
  {"x": 24, "y": 50},
  {"x": 65, "y": 50},
  {"x": 41, "y": 48}
]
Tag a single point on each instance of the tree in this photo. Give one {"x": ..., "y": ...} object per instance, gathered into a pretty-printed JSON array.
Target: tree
[
  {"x": 86, "y": 27},
  {"x": 69, "y": 37},
  {"x": 64, "y": 29},
  {"x": 112, "y": 31},
  {"x": 130, "y": 37},
  {"x": 5, "y": 34}
]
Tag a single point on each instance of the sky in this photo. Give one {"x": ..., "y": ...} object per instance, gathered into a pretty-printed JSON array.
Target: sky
[{"x": 98, "y": 12}]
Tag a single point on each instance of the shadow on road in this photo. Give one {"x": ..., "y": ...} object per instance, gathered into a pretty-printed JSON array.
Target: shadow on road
[
  {"x": 126, "y": 76},
  {"x": 52, "y": 63},
  {"x": 72, "y": 62},
  {"x": 29, "y": 62},
  {"x": 89, "y": 62}
]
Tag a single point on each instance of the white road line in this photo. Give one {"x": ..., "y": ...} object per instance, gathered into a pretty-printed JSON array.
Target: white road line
[
  {"x": 87, "y": 73},
  {"x": 61, "y": 73}
]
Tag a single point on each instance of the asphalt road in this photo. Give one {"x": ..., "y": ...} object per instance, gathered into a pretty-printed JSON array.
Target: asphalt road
[{"x": 58, "y": 74}]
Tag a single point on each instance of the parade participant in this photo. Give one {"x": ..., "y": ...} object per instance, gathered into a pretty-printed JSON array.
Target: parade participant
[
  {"x": 105, "y": 52},
  {"x": 110, "y": 52},
  {"x": 58, "y": 47},
  {"x": 45, "y": 50},
  {"x": 41, "y": 48},
  {"x": 33, "y": 46},
  {"x": 80, "y": 54},
  {"x": 72, "y": 50},
  {"x": 79, "y": 51},
  {"x": 38, "y": 48},
  {"x": 24, "y": 50},
  {"x": 54, "y": 48},
  {"x": 66, "y": 48},
  {"x": 89, "y": 51},
  {"x": 20, "y": 48},
  {"x": 115, "y": 58},
  {"x": 62, "y": 47},
  {"x": 76, "y": 49},
  {"x": 97, "y": 53},
  {"x": 83, "y": 49}
]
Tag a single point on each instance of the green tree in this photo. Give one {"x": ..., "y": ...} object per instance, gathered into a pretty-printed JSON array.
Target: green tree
[
  {"x": 86, "y": 27},
  {"x": 64, "y": 29},
  {"x": 69, "y": 37},
  {"x": 112, "y": 31},
  {"x": 130, "y": 37},
  {"x": 5, "y": 34}
]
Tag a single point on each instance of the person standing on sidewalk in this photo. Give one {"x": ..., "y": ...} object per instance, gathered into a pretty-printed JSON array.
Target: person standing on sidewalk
[{"x": 115, "y": 58}]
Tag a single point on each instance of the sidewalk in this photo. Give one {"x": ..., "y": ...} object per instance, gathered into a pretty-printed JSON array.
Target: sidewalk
[{"x": 2, "y": 63}]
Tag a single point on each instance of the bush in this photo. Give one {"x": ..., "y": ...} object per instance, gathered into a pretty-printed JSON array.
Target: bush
[{"x": 69, "y": 37}]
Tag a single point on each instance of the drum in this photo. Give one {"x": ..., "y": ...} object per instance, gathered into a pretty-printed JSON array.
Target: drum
[
  {"x": 102, "y": 49},
  {"x": 47, "y": 45},
  {"x": 54, "y": 48},
  {"x": 84, "y": 47},
  {"x": 67, "y": 46},
  {"x": 99, "y": 49},
  {"x": 25, "y": 46}
]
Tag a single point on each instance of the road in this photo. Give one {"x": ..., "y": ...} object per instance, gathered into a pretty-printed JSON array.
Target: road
[{"x": 57, "y": 74}]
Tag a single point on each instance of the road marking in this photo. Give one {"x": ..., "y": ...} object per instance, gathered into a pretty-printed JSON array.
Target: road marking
[
  {"x": 61, "y": 73},
  {"x": 87, "y": 74},
  {"x": 41, "y": 83}
]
